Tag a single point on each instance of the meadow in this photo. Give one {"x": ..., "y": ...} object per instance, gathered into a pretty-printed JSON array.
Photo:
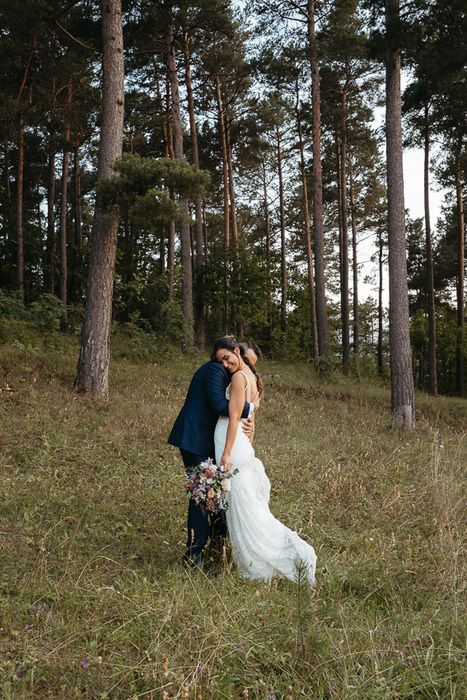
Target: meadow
[{"x": 95, "y": 604}]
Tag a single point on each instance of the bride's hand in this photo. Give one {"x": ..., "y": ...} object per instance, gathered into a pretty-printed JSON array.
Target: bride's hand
[{"x": 226, "y": 462}]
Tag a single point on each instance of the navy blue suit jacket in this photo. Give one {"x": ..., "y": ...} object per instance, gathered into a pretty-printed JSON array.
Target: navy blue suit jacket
[{"x": 205, "y": 401}]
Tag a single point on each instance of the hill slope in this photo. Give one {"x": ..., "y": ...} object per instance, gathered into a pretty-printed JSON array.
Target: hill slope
[{"x": 94, "y": 603}]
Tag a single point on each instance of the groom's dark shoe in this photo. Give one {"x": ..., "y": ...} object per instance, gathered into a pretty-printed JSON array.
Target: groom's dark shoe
[{"x": 193, "y": 559}]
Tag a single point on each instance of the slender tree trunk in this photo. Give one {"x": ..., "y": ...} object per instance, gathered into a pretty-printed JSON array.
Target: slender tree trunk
[
  {"x": 460, "y": 278},
  {"x": 380, "y": 307},
  {"x": 356, "y": 313},
  {"x": 225, "y": 168},
  {"x": 6, "y": 155},
  {"x": 236, "y": 272},
  {"x": 185, "y": 234},
  {"x": 51, "y": 238},
  {"x": 76, "y": 286},
  {"x": 200, "y": 325},
  {"x": 169, "y": 153},
  {"x": 345, "y": 240},
  {"x": 93, "y": 364},
  {"x": 63, "y": 215},
  {"x": 267, "y": 231},
  {"x": 225, "y": 181},
  {"x": 430, "y": 281},
  {"x": 233, "y": 204},
  {"x": 307, "y": 230},
  {"x": 8, "y": 232},
  {"x": 402, "y": 389},
  {"x": 283, "y": 246},
  {"x": 318, "y": 229},
  {"x": 19, "y": 209}
]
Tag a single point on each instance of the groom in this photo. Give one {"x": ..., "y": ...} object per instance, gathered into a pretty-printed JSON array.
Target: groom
[{"x": 193, "y": 434}]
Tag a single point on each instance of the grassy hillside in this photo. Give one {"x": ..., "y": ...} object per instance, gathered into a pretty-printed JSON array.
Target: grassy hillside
[{"x": 94, "y": 602}]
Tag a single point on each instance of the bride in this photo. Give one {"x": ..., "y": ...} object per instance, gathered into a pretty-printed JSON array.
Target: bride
[{"x": 262, "y": 546}]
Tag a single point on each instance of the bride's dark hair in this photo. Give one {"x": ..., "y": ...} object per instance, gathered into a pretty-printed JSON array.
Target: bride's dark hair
[{"x": 228, "y": 342}]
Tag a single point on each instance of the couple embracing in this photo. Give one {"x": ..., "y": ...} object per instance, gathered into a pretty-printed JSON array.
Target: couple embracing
[{"x": 217, "y": 421}]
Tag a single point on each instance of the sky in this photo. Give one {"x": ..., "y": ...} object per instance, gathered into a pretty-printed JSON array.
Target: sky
[{"x": 413, "y": 195}]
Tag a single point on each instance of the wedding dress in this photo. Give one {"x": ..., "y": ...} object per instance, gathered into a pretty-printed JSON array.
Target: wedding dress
[{"x": 262, "y": 546}]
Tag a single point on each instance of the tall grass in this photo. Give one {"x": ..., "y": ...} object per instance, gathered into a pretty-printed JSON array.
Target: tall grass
[{"x": 94, "y": 602}]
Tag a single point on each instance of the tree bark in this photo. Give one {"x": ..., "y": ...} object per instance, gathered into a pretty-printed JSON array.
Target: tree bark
[
  {"x": 169, "y": 153},
  {"x": 345, "y": 239},
  {"x": 380, "y": 307},
  {"x": 283, "y": 242},
  {"x": 185, "y": 234},
  {"x": 233, "y": 204},
  {"x": 460, "y": 277},
  {"x": 6, "y": 156},
  {"x": 267, "y": 243},
  {"x": 225, "y": 182},
  {"x": 318, "y": 229},
  {"x": 430, "y": 281},
  {"x": 76, "y": 281},
  {"x": 19, "y": 209},
  {"x": 63, "y": 215},
  {"x": 356, "y": 312},
  {"x": 51, "y": 238},
  {"x": 93, "y": 364},
  {"x": 307, "y": 230},
  {"x": 200, "y": 325},
  {"x": 402, "y": 389}
]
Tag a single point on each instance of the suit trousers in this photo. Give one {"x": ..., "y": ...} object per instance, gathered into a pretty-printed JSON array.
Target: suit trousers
[{"x": 200, "y": 525}]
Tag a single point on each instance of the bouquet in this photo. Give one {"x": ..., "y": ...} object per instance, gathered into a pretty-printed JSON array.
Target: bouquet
[{"x": 208, "y": 485}]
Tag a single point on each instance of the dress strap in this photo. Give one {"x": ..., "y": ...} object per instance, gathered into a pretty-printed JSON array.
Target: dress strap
[{"x": 248, "y": 387}]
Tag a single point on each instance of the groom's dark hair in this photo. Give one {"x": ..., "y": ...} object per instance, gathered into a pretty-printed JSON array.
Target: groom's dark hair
[{"x": 251, "y": 345}]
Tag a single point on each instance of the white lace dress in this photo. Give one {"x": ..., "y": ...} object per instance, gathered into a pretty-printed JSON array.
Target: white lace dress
[{"x": 262, "y": 546}]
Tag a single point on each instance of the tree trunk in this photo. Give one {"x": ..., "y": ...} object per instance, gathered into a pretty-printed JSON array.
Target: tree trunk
[
  {"x": 76, "y": 281},
  {"x": 307, "y": 230},
  {"x": 430, "y": 282},
  {"x": 51, "y": 239},
  {"x": 460, "y": 278},
  {"x": 356, "y": 313},
  {"x": 380, "y": 307},
  {"x": 19, "y": 209},
  {"x": 63, "y": 215},
  {"x": 185, "y": 234},
  {"x": 236, "y": 271},
  {"x": 267, "y": 227},
  {"x": 318, "y": 230},
  {"x": 93, "y": 364},
  {"x": 345, "y": 239},
  {"x": 200, "y": 326},
  {"x": 225, "y": 181},
  {"x": 6, "y": 156},
  {"x": 402, "y": 389},
  {"x": 233, "y": 204},
  {"x": 283, "y": 246},
  {"x": 169, "y": 153}
]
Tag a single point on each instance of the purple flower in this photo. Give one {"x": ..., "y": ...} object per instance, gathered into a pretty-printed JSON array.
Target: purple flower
[
  {"x": 200, "y": 670},
  {"x": 86, "y": 663}
]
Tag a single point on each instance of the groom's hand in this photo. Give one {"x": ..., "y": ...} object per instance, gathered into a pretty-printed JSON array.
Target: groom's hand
[{"x": 248, "y": 426}]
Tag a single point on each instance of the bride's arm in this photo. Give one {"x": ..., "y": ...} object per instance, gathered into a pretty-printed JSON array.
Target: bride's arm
[{"x": 236, "y": 403}]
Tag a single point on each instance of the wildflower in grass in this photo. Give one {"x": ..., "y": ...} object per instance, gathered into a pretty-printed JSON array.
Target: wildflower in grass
[
  {"x": 207, "y": 485},
  {"x": 86, "y": 663}
]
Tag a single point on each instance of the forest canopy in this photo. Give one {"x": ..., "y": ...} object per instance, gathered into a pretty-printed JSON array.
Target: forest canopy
[{"x": 249, "y": 192}]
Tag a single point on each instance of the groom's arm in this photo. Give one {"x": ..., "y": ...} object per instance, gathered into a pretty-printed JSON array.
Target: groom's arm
[{"x": 215, "y": 387}]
